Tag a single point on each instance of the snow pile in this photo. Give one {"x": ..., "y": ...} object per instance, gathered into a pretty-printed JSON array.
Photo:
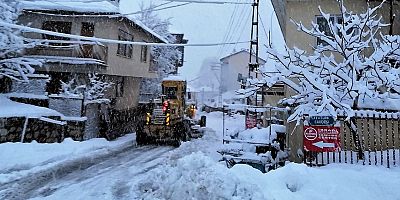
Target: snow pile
[
  {"x": 197, "y": 177},
  {"x": 297, "y": 181},
  {"x": 19, "y": 159},
  {"x": 10, "y": 108},
  {"x": 262, "y": 135}
]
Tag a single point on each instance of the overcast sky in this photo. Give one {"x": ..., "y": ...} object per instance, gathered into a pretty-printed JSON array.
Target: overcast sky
[{"x": 209, "y": 23}]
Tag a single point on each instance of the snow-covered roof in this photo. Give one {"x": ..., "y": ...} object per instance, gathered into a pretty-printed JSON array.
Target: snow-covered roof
[
  {"x": 146, "y": 28},
  {"x": 174, "y": 78},
  {"x": 99, "y": 6},
  {"x": 242, "y": 51},
  {"x": 14, "y": 109},
  {"x": 85, "y": 6}
]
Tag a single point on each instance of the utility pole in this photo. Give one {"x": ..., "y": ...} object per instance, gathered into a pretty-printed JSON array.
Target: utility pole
[{"x": 254, "y": 62}]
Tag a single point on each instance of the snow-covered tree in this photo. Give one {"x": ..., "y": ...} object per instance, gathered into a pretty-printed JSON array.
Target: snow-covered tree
[
  {"x": 70, "y": 89},
  {"x": 164, "y": 57},
  {"x": 12, "y": 63},
  {"x": 93, "y": 92},
  {"x": 353, "y": 68}
]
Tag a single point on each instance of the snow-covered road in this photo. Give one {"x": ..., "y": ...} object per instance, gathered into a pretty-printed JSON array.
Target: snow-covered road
[
  {"x": 103, "y": 177},
  {"x": 99, "y": 169}
]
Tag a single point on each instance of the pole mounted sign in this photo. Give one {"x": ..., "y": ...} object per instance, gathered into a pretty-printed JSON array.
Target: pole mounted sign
[
  {"x": 321, "y": 121},
  {"x": 321, "y": 138},
  {"x": 321, "y": 135}
]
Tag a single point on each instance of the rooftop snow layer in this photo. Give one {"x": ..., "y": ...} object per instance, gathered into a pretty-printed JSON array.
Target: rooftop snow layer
[
  {"x": 10, "y": 108},
  {"x": 84, "y": 6},
  {"x": 100, "y": 6},
  {"x": 174, "y": 78}
]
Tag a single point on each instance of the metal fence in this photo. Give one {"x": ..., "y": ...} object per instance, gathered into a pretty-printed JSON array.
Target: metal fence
[{"x": 375, "y": 142}]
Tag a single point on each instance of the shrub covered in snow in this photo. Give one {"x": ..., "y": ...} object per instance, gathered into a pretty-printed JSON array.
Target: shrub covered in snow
[
  {"x": 93, "y": 92},
  {"x": 353, "y": 65},
  {"x": 164, "y": 57}
]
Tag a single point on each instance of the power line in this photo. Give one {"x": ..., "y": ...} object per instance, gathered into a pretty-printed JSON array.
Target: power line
[
  {"x": 209, "y": 2},
  {"x": 243, "y": 29},
  {"x": 94, "y": 39},
  {"x": 228, "y": 32}
]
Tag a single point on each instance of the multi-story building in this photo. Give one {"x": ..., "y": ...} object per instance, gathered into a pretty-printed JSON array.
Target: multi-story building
[
  {"x": 235, "y": 70},
  {"x": 65, "y": 58}
]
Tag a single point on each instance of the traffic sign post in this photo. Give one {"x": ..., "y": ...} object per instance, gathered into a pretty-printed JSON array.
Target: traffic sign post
[{"x": 321, "y": 138}]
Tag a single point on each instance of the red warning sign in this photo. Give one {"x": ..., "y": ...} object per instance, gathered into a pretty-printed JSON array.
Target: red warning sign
[{"x": 321, "y": 138}]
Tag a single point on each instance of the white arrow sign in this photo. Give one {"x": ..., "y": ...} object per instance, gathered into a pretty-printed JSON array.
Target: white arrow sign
[{"x": 322, "y": 145}]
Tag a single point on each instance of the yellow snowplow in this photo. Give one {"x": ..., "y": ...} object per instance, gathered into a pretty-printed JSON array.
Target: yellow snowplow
[{"x": 166, "y": 121}]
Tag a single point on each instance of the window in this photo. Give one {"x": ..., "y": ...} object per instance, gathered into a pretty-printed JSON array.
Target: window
[
  {"x": 324, "y": 26},
  {"x": 276, "y": 90},
  {"x": 57, "y": 26},
  {"x": 119, "y": 88},
  {"x": 125, "y": 50},
  {"x": 143, "y": 54},
  {"x": 170, "y": 92}
]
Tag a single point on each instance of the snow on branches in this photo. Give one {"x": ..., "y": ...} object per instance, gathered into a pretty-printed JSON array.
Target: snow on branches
[
  {"x": 353, "y": 67},
  {"x": 164, "y": 58},
  {"x": 12, "y": 64},
  {"x": 93, "y": 92}
]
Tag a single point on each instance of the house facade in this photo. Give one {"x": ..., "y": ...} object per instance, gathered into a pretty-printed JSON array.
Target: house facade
[
  {"x": 235, "y": 70},
  {"x": 306, "y": 11},
  {"x": 124, "y": 65}
]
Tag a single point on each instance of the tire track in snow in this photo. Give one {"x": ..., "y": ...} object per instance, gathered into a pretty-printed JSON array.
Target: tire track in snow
[{"x": 36, "y": 184}]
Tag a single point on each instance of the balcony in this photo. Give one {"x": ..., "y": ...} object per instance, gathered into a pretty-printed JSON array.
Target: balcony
[{"x": 72, "y": 54}]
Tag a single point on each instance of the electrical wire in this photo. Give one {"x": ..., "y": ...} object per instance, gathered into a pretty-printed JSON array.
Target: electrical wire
[
  {"x": 228, "y": 32},
  {"x": 210, "y": 2},
  {"x": 103, "y": 40}
]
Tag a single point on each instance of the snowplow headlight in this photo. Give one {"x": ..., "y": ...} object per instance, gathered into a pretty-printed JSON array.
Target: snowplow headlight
[
  {"x": 167, "y": 119},
  {"x": 148, "y": 117}
]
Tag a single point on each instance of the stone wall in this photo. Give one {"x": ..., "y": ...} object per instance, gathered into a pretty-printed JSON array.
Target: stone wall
[
  {"x": 41, "y": 131},
  {"x": 68, "y": 106},
  {"x": 75, "y": 129},
  {"x": 36, "y": 85},
  {"x": 123, "y": 122}
]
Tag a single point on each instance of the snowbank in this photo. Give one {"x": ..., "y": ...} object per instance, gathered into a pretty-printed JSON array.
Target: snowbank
[
  {"x": 197, "y": 177},
  {"x": 262, "y": 135},
  {"x": 19, "y": 159},
  {"x": 10, "y": 108},
  {"x": 200, "y": 176}
]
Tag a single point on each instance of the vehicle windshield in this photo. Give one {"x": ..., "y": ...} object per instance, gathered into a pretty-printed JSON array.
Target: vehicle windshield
[{"x": 170, "y": 92}]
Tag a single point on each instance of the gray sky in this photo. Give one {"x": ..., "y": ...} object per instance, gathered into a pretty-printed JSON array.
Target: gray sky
[{"x": 209, "y": 23}]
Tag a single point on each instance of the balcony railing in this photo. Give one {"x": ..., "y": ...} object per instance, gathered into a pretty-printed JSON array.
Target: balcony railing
[{"x": 91, "y": 51}]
